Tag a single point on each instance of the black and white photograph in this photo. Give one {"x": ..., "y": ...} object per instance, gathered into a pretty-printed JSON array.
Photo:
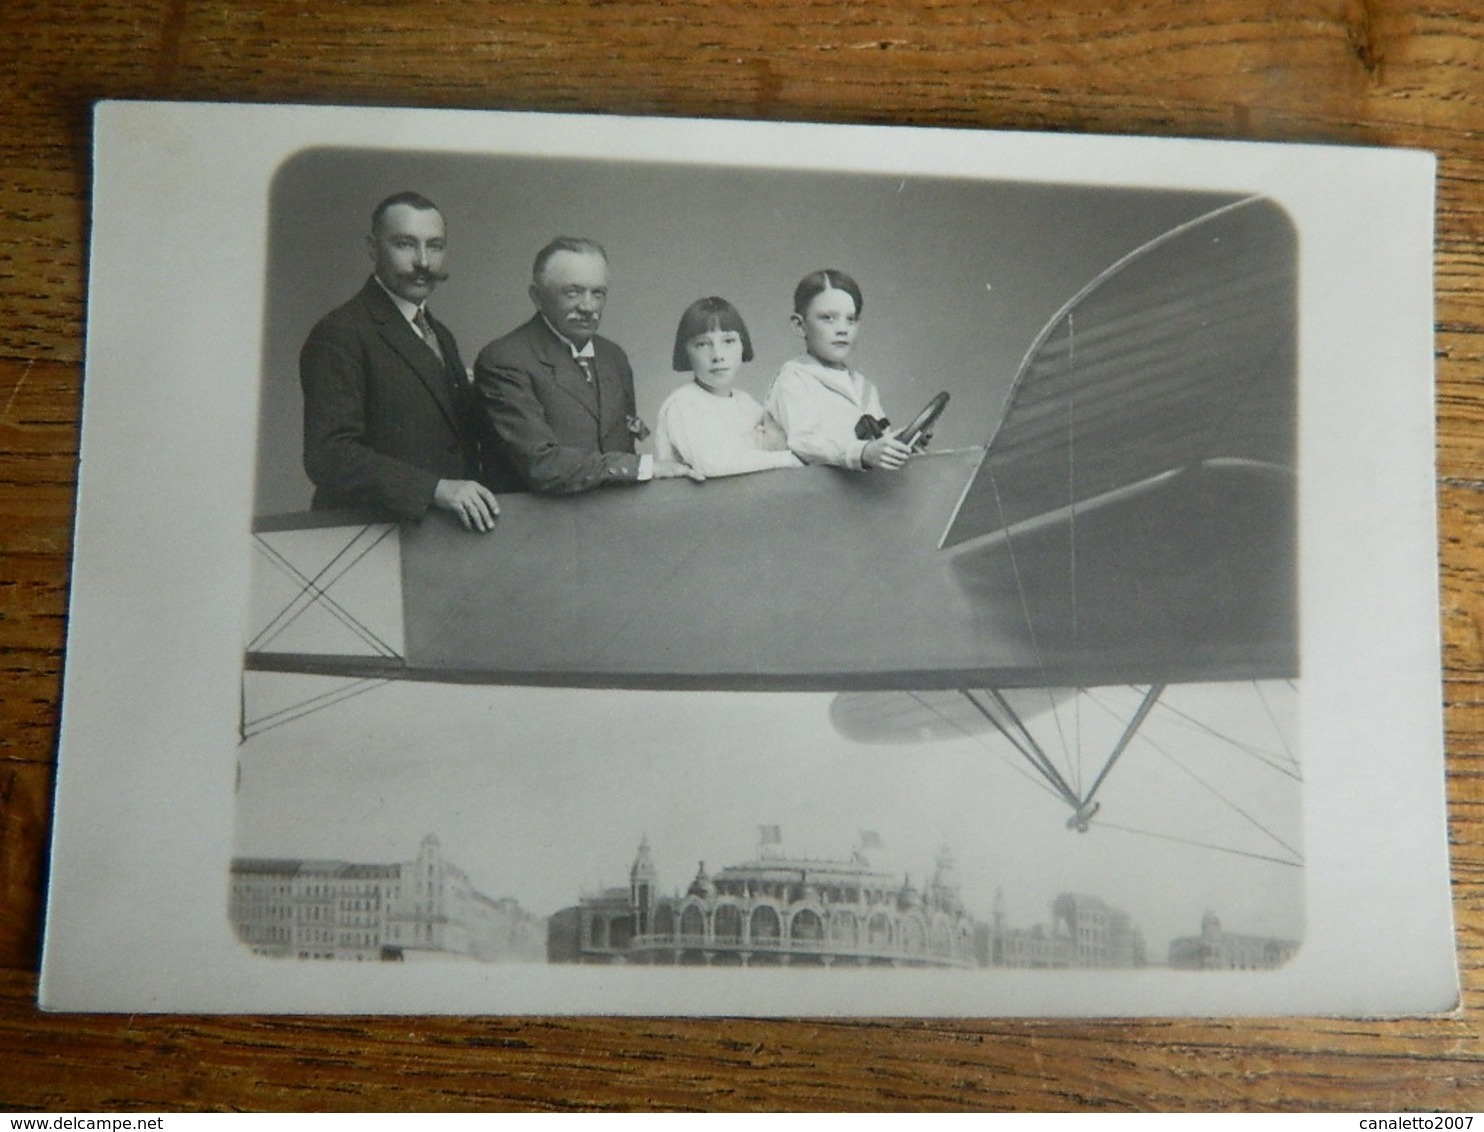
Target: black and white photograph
[
  {"x": 688, "y": 567},
  {"x": 1131, "y": 355}
]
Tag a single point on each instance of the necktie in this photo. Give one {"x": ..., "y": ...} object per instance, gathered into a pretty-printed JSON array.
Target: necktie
[
  {"x": 588, "y": 373},
  {"x": 425, "y": 328}
]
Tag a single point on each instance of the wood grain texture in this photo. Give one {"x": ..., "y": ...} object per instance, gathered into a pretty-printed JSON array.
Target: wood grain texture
[{"x": 1344, "y": 71}]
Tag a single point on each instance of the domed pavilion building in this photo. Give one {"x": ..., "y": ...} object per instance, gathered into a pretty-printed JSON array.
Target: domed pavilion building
[{"x": 774, "y": 910}]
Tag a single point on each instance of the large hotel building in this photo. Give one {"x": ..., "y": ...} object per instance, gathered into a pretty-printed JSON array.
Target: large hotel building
[
  {"x": 423, "y": 908},
  {"x": 1217, "y": 949}
]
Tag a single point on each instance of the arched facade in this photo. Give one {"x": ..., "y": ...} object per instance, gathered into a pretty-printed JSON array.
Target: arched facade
[{"x": 776, "y": 911}]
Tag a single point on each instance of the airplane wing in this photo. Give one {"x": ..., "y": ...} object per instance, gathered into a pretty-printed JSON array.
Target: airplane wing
[
  {"x": 802, "y": 579},
  {"x": 1138, "y": 498}
]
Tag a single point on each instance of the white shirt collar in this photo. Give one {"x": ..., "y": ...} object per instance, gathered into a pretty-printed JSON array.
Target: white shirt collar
[
  {"x": 409, "y": 309},
  {"x": 586, "y": 351},
  {"x": 842, "y": 380}
]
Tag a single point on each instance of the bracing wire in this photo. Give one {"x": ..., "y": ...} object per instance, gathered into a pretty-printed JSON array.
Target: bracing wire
[
  {"x": 1213, "y": 791},
  {"x": 252, "y": 729},
  {"x": 1277, "y": 727},
  {"x": 1294, "y": 862},
  {"x": 1284, "y": 767},
  {"x": 308, "y": 595},
  {"x": 1146, "y": 705},
  {"x": 1023, "y": 742},
  {"x": 309, "y": 588},
  {"x": 314, "y": 591},
  {"x": 1072, "y": 532},
  {"x": 1035, "y": 780}
]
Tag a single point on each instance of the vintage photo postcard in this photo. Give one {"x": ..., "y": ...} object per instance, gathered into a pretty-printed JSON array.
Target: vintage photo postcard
[{"x": 554, "y": 564}]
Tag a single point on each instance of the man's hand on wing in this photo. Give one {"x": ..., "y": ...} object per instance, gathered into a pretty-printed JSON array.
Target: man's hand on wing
[{"x": 473, "y": 503}]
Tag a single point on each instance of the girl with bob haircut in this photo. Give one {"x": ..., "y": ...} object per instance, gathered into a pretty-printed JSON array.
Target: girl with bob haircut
[
  {"x": 716, "y": 428},
  {"x": 816, "y": 397}
]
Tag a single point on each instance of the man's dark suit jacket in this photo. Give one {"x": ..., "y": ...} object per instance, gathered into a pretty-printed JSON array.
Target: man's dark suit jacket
[
  {"x": 384, "y": 420},
  {"x": 552, "y": 430}
]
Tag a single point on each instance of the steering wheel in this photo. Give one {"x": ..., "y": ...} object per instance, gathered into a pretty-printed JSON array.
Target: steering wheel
[{"x": 924, "y": 420}]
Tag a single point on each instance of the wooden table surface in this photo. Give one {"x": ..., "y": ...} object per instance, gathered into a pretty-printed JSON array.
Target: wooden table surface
[{"x": 1370, "y": 72}]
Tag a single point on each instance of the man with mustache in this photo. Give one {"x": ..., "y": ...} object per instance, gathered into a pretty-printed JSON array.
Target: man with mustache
[
  {"x": 559, "y": 400},
  {"x": 390, "y": 419}
]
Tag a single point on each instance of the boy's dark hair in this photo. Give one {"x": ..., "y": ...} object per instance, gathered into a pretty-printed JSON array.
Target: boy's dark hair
[
  {"x": 713, "y": 313},
  {"x": 825, "y": 280}
]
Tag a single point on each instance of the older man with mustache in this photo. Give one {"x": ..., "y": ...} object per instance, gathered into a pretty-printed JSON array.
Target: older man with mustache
[
  {"x": 390, "y": 419},
  {"x": 559, "y": 398}
]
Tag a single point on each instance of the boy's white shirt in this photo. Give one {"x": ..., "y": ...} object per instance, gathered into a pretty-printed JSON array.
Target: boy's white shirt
[{"x": 818, "y": 407}]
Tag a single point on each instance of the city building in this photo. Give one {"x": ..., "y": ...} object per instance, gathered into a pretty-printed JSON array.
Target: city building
[
  {"x": 1084, "y": 932},
  {"x": 774, "y": 910},
  {"x": 1217, "y": 949},
  {"x": 426, "y": 907}
]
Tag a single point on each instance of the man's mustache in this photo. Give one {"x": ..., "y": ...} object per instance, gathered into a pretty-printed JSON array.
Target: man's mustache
[{"x": 425, "y": 276}]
